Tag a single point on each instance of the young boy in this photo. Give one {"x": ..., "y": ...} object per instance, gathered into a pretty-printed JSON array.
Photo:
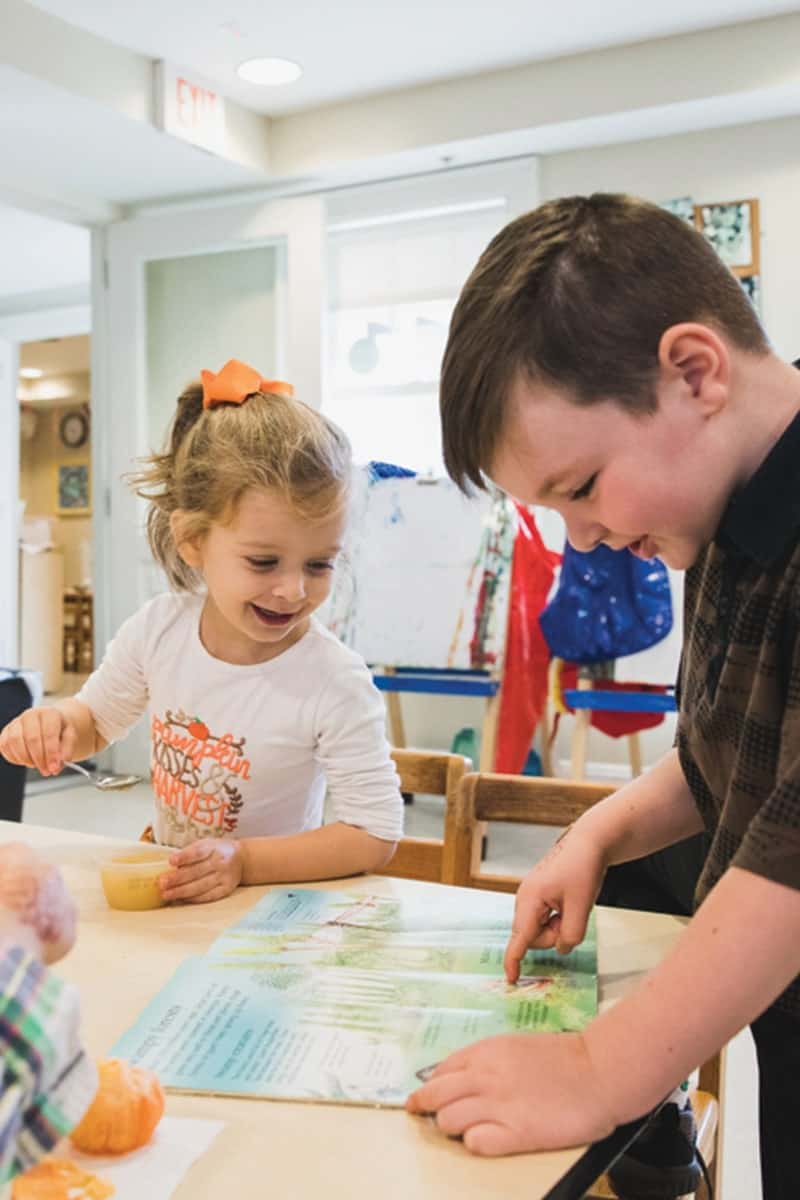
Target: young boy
[{"x": 603, "y": 361}]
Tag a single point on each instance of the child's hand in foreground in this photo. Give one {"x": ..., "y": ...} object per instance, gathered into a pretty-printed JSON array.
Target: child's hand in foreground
[
  {"x": 517, "y": 1092},
  {"x": 554, "y": 900},
  {"x": 35, "y": 906},
  {"x": 41, "y": 737},
  {"x": 206, "y": 870}
]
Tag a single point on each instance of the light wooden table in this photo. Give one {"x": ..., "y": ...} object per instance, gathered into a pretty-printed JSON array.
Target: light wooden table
[{"x": 297, "y": 1150}]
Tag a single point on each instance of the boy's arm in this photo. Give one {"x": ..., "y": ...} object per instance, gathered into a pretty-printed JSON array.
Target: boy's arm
[
  {"x": 517, "y": 1092},
  {"x": 554, "y": 900},
  {"x": 739, "y": 952},
  {"x": 654, "y": 810}
]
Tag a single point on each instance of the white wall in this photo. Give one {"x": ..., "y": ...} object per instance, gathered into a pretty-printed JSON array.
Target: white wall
[{"x": 758, "y": 160}]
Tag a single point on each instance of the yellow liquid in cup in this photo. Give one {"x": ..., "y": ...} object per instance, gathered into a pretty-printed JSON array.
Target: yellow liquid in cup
[{"x": 130, "y": 879}]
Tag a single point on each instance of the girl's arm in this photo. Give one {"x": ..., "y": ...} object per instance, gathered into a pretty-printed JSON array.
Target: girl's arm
[
  {"x": 112, "y": 699},
  {"x": 330, "y": 852},
  {"x": 363, "y": 792},
  {"x": 88, "y": 739},
  {"x": 212, "y": 868},
  {"x": 50, "y": 735}
]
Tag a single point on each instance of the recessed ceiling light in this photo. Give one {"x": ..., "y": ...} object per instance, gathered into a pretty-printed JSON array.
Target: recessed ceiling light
[
  {"x": 30, "y": 373},
  {"x": 269, "y": 72}
]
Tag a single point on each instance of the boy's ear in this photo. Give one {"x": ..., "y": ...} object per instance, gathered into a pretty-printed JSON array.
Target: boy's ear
[
  {"x": 188, "y": 547},
  {"x": 697, "y": 356}
]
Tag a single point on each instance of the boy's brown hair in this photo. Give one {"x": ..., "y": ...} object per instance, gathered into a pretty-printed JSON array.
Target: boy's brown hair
[{"x": 577, "y": 295}]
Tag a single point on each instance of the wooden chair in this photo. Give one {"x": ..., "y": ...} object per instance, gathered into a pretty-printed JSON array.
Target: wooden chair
[
  {"x": 532, "y": 800},
  {"x": 434, "y": 774},
  {"x": 522, "y": 799}
]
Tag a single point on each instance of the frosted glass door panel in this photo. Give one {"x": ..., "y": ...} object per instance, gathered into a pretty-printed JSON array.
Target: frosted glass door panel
[{"x": 203, "y": 309}]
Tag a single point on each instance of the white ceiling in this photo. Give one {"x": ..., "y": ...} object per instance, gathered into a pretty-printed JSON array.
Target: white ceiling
[
  {"x": 81, "y": 156},
  {"x": 120, "y": 158},
  {"x": 355, "y": 47}
]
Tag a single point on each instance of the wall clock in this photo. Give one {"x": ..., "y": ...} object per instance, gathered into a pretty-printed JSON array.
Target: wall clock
[{"x": 73, "y": 429}]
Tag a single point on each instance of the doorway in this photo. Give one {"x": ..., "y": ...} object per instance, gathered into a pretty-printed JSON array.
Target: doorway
[{"x": 56, "y": 576}]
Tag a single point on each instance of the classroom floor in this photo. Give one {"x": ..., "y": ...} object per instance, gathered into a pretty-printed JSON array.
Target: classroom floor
[{"x": 512, "y": 849}]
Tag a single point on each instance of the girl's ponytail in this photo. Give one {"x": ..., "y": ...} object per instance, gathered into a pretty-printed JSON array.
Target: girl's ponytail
[{"x": 158, "y": 484}]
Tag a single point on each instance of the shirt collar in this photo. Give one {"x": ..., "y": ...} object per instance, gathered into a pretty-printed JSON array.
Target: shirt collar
[{"x": 764, "y": 517}]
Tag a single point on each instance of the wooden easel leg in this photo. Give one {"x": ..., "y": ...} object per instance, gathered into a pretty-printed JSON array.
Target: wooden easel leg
[
  {"x": 395, "y": 711},
  {"x": 580, "y": 737},
  {"x": 635, "y": 754},
  {"x": 486, "y": 762},
  {"x": 396, "y": 725},
  {"x": 546, "y": 755},
  {"x": 489, "y": 733},
  {"x": 580, "y": 729},
  {"x": 397, "y": 729}
]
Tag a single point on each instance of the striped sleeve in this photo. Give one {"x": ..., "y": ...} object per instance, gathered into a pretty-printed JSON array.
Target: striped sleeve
[{"x": 48, "y": 1081}]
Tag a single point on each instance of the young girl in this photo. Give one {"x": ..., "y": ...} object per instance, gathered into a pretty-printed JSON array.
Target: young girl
[{"x": 253, "y": 705}]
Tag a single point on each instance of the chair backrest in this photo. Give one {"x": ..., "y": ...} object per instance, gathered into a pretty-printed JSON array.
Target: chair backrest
[
  {"x": 428, "y": 773},
  {"x": 534, "y": 800},
  {"x": 522, "y": 799}
]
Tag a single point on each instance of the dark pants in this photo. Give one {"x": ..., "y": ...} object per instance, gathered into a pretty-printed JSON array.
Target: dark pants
[
  {"x": 777, "y": 1039},
  {"x": 665, "y": 882},
  {"x": 14, "y": 699},
  {"x": 662, "y": 882}
]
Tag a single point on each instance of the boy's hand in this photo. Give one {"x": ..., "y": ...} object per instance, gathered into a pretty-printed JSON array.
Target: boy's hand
[
  {"x": 517, "y": 1092},
  {"x": 35, "y": 906},
  {"x": 206, "y": 870},
  {"x": 554, "y": 900},
  {"x": 41, "y": 737}
]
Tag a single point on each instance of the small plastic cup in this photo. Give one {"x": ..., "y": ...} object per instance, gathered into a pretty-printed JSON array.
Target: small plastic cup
[{"x": 130, "y": 877}]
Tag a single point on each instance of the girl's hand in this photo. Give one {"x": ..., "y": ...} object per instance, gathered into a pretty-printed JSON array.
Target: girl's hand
[
  {"x": 35, "y": 906},
  {"x": 517, "y": 1092},
  {"x": 41, "y": 737},
  {"x": 554, "y": 900},
  {"x": 206, "y": 870}
]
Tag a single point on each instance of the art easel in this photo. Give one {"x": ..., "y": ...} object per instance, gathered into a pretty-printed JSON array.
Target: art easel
[
  {"x": 395, "y": 680},
  {"x": 587, "y": 698},
  {"x": 427, "y": 594}
]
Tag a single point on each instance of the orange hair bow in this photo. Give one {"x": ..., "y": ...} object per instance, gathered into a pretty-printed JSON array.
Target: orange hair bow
[{"x": 235, "y": 382}]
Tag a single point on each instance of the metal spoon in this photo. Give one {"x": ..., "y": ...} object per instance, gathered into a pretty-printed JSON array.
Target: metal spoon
[{"x": 106, "y": 783}]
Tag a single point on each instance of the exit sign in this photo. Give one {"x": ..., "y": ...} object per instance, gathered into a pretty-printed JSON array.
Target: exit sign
[{"x": 188, "y": 109}]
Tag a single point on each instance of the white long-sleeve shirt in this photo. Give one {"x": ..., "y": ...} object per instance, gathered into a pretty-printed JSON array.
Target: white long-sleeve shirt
[{"x": 246, "y": 751}]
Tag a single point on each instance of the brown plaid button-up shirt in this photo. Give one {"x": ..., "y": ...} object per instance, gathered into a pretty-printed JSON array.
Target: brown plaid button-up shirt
[{"x": 739, "y": 692}]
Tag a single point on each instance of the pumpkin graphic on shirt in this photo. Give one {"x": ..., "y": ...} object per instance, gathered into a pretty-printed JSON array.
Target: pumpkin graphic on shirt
[
  {"x": 198, "y": 729},
  {"x": 195, "y": 777}
]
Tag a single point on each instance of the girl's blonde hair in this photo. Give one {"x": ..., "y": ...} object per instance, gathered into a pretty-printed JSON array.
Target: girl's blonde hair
[{"x": 213, "y": 456}]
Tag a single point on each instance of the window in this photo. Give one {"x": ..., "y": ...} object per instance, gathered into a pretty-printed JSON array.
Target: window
[{"x": 398, "y": 256}]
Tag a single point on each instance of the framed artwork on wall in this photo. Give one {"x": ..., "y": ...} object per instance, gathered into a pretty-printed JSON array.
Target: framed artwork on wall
[
  {"x": 73, "y": 490},
  {"x": 733, "y": 230}
]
